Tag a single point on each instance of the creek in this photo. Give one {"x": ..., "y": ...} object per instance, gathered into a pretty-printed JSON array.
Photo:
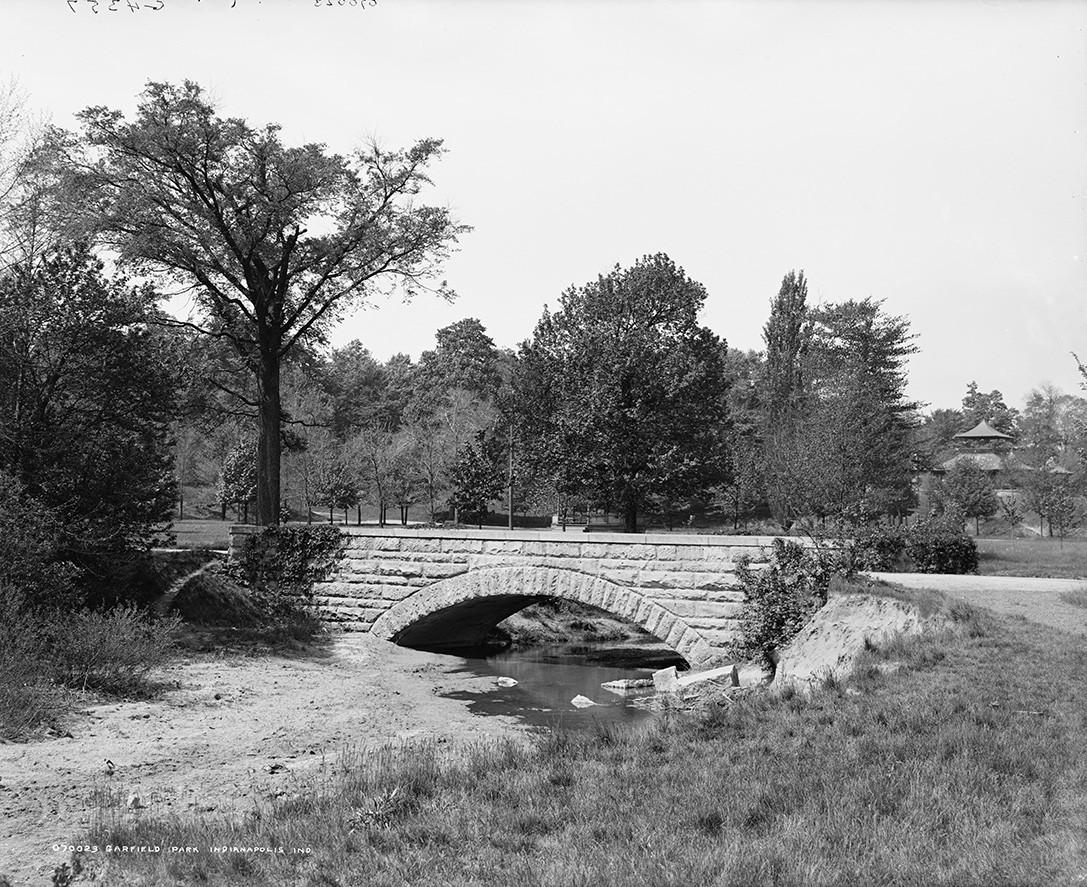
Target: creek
[{"x": 549, "y": 677}]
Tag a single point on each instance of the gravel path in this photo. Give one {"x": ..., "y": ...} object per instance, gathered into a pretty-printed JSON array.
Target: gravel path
[{"x": 1036, "y": 599}]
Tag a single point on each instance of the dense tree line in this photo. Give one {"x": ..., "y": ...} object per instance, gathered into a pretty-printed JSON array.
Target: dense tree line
[{"x": 1042, "y": 464}]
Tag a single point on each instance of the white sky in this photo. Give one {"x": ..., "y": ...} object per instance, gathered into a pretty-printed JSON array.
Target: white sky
[{"x": 932, "y": 154}]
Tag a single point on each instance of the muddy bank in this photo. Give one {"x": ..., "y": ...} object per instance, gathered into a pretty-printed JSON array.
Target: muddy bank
[{"x": 233, "y": 733}]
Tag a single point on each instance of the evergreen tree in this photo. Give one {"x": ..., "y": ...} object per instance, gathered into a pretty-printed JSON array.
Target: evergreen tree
[{"x": 787, "y": 335}]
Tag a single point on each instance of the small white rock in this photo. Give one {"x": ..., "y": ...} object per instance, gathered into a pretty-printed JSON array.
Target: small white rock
[
  {"x": 506, "y": 682},
  {"x": 581, "y": 701}
]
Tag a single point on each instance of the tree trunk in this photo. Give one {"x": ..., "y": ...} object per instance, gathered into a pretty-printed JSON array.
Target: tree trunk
[
  {"x": 268, "y": 441},
  {"x": 358, "y": 515},
  {"x": 630, "y": 514}
]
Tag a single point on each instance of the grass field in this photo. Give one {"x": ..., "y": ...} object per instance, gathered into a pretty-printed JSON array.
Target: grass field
[
  {"x": 1033, "y": 557},
  {"x": 966, "y": 765},
  {"x": 1076, "y": 598},
  {"x": 202, "y": 533}
]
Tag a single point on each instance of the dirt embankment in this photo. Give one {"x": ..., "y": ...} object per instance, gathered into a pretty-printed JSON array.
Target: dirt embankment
[
  {"x": 234, "y": 733},
  {"x": 835, "y": 638}
]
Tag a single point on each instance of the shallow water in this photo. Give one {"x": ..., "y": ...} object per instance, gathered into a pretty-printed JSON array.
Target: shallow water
[{"x": 548, "y": 678}]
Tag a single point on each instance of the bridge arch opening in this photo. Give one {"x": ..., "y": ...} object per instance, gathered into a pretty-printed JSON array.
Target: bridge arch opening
[{"x": 464, "y": 610}]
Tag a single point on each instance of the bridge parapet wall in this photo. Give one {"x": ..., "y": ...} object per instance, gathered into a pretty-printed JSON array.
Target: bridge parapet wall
[{"x": 691, "y": 577}]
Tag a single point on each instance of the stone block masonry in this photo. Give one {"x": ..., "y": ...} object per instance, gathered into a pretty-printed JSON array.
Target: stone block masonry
[{"x": 450, "y": 588}]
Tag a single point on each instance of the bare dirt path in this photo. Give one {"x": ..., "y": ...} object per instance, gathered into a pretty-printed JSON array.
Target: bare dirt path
[
  {"x": 1036, "y": 599},
  {"x": 210, "y": 744}
]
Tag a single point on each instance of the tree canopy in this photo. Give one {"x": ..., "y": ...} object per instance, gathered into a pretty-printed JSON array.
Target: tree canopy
[
  {"x": 977, "y": 406},
  {"x": 836, "y": 425},
  {"x": 85, "y": 407},
  {"x": 622, "y": 393},
  {"x": 276, "y": 242}
]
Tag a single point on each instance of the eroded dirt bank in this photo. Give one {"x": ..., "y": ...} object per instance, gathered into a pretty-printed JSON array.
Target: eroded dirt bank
[{"x": 236, "y": 732}]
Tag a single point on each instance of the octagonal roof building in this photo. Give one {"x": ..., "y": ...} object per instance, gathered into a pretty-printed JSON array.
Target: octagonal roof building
[{"x": 983, "y": 431}]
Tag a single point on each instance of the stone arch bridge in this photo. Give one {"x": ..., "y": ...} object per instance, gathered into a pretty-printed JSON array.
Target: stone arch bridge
[{"x": 436, "y": 587}]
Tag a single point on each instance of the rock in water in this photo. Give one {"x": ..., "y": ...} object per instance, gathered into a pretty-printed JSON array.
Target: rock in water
[
  {"x": 668, "y": 681},
  {"x": 665, "y": 679},
  {"x": 628, "y": 685},
  {"x": 506, "y": 682},
  {"x": 581, "y": 701}
]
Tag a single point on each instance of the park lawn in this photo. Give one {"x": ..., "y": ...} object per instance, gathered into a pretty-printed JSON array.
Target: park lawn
[
  {"x": 965, "y": 766},
  {"x": 1040, "y": 556},
  {"x": 202, "y": 533}
]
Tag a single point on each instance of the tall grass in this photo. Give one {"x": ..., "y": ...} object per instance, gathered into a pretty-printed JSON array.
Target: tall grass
[
  {"x": 963, "y": 764},
  {"x": 1075, "y": 598},
  {"x": 29, "y": 699},
  {"x": 45, "y": 657}
]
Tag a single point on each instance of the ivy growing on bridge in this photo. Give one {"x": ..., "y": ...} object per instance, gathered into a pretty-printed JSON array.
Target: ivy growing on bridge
[
  {"x": 780, "y": 598},
  {"x": 281, "y": 564}
]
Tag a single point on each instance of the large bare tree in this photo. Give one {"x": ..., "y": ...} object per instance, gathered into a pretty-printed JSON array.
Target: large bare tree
[{"x": 275, "y": 242}]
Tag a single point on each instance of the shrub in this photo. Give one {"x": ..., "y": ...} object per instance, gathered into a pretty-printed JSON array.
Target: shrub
[
  {"x": 112, "y": 651},
  {"x": 934, "y": 545},
  {"x": 33, "y": 573},
  {"x": 280, "y": 564},
  {"x": 781, "y": 597},
  {"x": 43, "y": 652},
  {"x": 28, "y": 698},
  {"x": 877, "y": 547},
  {"x": 938, "y": 545}
]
